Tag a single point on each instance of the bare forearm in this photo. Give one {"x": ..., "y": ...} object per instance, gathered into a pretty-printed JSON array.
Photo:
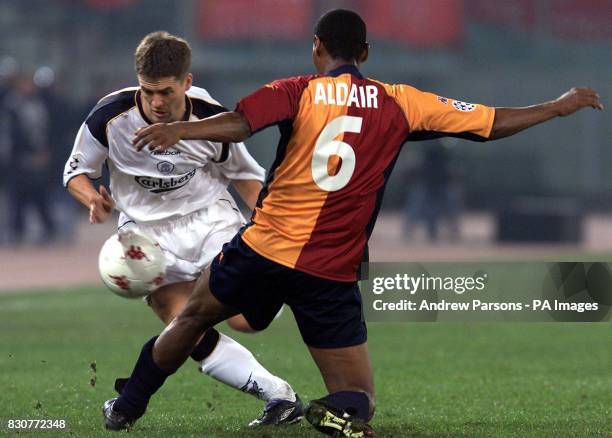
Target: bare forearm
[
  {"x": 100, "y": 203},
  {"x": 224, "y": 127},
  {"x": 248, "y": 189},
  {"x": 509, "y": 121},
  {"x": 81, "y": 189}
]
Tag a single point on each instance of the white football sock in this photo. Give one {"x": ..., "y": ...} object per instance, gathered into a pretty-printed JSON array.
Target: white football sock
[{"x": 235, "y": 366}]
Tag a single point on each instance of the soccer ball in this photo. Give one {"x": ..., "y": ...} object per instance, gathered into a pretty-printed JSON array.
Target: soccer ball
[{"x": 131, "y": 264}]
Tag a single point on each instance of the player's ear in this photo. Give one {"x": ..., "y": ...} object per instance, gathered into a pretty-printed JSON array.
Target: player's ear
[
  {"x": 317, "y": 46},
  {"x": 364, "y": 55},
  {"x": 188, "y": 81}
]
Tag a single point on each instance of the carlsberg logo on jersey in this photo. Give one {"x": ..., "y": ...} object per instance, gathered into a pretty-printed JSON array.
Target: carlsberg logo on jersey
[{"x": 160, "y": 185}]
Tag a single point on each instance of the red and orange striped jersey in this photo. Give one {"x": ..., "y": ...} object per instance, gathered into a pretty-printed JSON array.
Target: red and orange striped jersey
[{"x": 340, "y": 136}]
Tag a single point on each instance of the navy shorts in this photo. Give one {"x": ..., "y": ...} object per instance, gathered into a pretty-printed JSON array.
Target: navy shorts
[{"x": 328, "y": 313}]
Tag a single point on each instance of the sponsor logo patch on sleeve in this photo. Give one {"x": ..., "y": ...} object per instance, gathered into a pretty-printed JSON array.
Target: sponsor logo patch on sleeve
[{"x": 464, "y": 106}]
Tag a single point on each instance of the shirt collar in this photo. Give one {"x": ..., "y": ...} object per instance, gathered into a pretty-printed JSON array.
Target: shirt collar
[{"x": 347, "y": 68}]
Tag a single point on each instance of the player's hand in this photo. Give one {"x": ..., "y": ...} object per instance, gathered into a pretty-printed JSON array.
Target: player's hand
[
  {"x": 575, "y": 99},
  {"x": 158, "y": 137},
  {"x": 101, "y": 206}
]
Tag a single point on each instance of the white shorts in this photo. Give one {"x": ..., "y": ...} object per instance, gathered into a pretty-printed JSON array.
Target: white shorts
[{"x": 191, "y": 242}]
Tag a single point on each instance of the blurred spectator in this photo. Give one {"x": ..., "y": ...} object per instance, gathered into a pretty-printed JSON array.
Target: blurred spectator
[
  {"x": 435, "y": 195},
  {"x": 411, "y": 168},
  {"x": 63, "y": 124},
  {"x": 29, "y": 160},
  {"x": 9, "y": 69}
]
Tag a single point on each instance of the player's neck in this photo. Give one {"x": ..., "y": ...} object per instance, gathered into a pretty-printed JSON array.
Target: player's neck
[{"x": 333, "y": 64}]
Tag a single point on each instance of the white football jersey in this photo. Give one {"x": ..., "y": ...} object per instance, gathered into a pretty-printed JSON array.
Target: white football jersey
[{"x": 151, "y": 186}]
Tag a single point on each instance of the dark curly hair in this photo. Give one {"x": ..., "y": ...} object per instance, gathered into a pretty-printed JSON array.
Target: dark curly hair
[{"x": 343, "y": 33}]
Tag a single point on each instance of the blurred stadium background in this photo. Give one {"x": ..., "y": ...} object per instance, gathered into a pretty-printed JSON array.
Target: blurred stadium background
[{"x": 544, "y": 192}]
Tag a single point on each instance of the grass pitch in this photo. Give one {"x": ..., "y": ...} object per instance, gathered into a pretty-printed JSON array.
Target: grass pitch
[{"x": 61, "y": 351}]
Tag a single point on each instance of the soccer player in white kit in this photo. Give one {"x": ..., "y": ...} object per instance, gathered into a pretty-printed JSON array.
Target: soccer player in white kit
[{"x": 179, "y": 198}]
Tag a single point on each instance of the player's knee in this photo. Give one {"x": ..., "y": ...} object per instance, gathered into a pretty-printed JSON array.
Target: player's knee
[
  {"x": 239, "y": 323},
  {"x": 161, "y": 308},
  {"x": 168, "y": 301},
  {"x": 155, "y": 303}
]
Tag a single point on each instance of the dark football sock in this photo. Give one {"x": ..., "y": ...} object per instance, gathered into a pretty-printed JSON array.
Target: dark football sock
[
  {"x": 206, "y": 345},
  {"x": 145, "y": 380},
  {"x": 201, "y": 351},
  {"x": 120, "y": 383},
  {"x": 354, "y": 403}
]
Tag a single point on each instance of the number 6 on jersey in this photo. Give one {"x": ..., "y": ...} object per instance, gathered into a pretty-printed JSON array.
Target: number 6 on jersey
[{"x": 326, "y": 146}]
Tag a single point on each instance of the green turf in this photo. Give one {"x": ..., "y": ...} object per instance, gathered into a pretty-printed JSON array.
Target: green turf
[{"x": 503, "y": 379}]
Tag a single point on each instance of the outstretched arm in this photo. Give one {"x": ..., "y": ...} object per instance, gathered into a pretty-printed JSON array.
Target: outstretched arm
[
  {"x": 269, "y": 105},
  {"x": 509, "y": 121},
  {"x": 225, "y": 127}
]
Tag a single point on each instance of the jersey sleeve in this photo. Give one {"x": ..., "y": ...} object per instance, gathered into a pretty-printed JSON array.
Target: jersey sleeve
[
  {"x": 87, "y": 156},
  {"x": 273, "y": 103},
  {"x": 431, "y": 116},
  {"x": 235, "y": 163}
]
